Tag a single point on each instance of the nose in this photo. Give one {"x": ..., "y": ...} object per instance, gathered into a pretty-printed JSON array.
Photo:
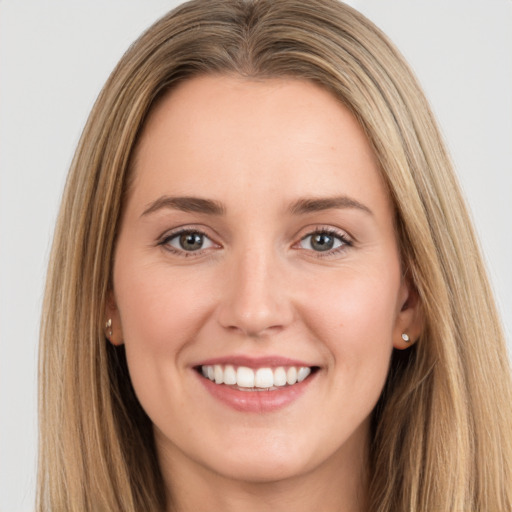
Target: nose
[{"x": 256, "y": 299}]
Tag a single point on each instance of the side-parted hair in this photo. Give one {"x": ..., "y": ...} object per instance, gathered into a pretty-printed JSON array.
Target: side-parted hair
[{"x": 442, "y": 430}]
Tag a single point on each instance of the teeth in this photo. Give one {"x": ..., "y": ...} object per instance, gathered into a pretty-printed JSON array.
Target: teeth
[
  {"x": 279, "y": 377},
  {"x": 245, "y": 377},
  {"x": 229, "y": 375},
  {"x": 301, "y": 374},
  {"x": 218, "y": 374},
  {"x": 291, "y": 375},
  {"x": 263, "y": 378}
]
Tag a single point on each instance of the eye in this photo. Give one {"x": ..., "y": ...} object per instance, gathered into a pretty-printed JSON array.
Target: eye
[
  {"x": 188, "y": 241},
  {"x": 324, "y": 241}
]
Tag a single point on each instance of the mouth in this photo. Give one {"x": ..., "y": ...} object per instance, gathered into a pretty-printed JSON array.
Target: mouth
[{"x": 267, "y": 378}]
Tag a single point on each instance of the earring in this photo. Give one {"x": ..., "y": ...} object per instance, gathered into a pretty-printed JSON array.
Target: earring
[
  {"x": 108, "y": 326},
  {"x": 406, "y": 338}
]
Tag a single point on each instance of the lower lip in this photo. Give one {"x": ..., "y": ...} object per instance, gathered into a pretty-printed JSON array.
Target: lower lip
[{"x": 256, "y": 401}]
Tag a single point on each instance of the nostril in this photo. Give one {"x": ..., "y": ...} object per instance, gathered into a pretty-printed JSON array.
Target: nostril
[{"x": 254, "y": 306}]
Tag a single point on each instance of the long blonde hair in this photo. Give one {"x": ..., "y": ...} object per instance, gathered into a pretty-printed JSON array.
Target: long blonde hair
[{"x": 442, "y": 430}]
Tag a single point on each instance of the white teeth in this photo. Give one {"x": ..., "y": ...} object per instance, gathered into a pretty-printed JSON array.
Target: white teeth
[
  {"x": 291, "y": 375},
  {"x": 245, "y": 377},
  {"x": 218, "y": 373},
  {"x": 279, "y": 377},
  {"x": 262, "y": 378},
  {"x": 303, "y": 373},
  {"x": 229, "y": 375}
]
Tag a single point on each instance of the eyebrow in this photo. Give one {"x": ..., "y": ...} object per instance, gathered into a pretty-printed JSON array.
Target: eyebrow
[
  {"x": 208, "y": 206},
  {"x": 312, "y": 205},
  {"x": 186, "y": 204}
]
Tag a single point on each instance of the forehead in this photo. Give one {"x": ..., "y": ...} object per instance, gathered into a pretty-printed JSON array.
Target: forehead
[{"x": 213, "y": 134}]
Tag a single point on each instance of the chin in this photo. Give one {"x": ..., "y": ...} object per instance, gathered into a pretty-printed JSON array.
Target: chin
[
  {"x": 263, "y": 463},
  {"x": 259, "y": 470}
]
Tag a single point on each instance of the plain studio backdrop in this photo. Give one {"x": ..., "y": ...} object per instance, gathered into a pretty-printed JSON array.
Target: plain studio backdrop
[{"x": 56, "y": 55}]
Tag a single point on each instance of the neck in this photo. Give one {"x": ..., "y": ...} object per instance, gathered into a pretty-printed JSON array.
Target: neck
[{"x": 338, "y": 485}]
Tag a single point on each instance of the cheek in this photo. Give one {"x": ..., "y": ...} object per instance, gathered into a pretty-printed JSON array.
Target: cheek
[
  {"x": 161, "y": 313},
  {"x": 354, "y": 300},
  {"x": 353, "y": 314},
  {"x": 158, "y": 311}
]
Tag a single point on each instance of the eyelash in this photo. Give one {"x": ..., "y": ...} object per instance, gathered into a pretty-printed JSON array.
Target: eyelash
[
  {"x": 329, "y": 231},
  {"x": 165, "y": 242}
]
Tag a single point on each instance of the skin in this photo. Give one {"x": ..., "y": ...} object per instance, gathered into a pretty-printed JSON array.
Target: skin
[{"x": 259, "y": 287}]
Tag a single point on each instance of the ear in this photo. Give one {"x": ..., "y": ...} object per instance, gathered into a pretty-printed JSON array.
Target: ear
[
  {"x": 112, "y": 326},
  {"x": 410, "y": 318}
]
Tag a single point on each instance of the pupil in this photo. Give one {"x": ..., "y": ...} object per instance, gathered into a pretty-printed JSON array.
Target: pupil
[
  {"x": 191, "y": 241},
  {"x": 322, "y": 242}
]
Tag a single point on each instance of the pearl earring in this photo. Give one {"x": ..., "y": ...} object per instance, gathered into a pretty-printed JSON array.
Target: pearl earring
[
  {"x": 108, "y": 326},
  {"x": 406, "y": 338}
]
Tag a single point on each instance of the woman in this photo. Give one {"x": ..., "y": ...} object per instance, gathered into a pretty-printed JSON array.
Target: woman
[{"x": 272, "y": 298}]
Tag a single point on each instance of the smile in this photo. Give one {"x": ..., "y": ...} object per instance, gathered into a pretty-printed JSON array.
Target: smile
[
  {"x": 244, "y": 378},
  {"x": 256, "y": 385}
]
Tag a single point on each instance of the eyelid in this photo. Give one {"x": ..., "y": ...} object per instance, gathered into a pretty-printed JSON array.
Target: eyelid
[
  {"x": 165, "y": 238},
  {"x": 340, "y": 234},
  {"x": 346, "y": 239}
]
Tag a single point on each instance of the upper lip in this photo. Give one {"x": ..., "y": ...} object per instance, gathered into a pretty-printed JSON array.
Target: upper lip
[{"x": 254, "y": 362}]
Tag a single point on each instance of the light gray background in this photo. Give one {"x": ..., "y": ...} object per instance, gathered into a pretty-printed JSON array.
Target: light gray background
[{"x": 54, "y": 58}]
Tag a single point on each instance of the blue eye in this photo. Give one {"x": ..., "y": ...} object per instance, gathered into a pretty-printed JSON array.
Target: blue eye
[
  {"x": 188, "y": 241},
  {"x": 323, "y": 241}
]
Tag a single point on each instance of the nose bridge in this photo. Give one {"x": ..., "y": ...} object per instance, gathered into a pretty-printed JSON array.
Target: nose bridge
[{"x": 256, "y": 299}]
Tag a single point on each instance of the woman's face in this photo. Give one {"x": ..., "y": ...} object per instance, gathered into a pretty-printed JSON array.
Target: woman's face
[{"x": 258, "y": 245}]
